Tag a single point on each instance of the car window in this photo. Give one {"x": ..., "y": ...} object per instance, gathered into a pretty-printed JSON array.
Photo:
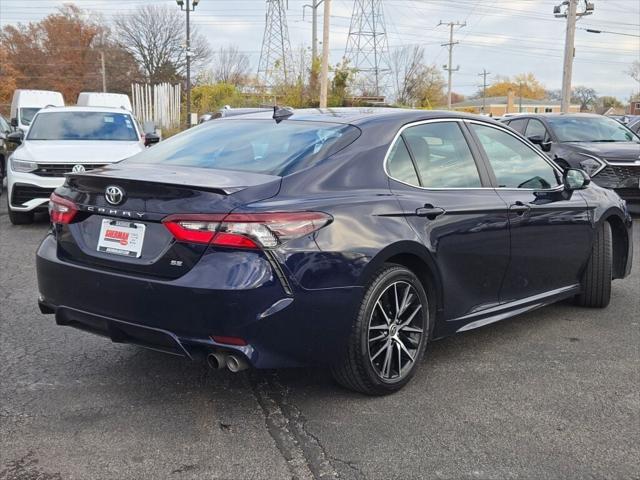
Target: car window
[
  {"x": 442, "y": 156},
  {"x": 400, "y": 165},
  {"x": 80, "y": 125},
  {"x": 514, "y": 163},
  {"x": 251, "y": 145},
  {"x": 590, "y": 129},
  {"x": 536, "y": 127},
  {"x": 518, "y": 125},
  {"x": 4, "y": 126}
]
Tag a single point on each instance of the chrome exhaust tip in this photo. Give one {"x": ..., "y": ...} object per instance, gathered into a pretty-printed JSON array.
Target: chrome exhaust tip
[
  {"x": 236, "y": 364},
  {"x": 216, "y": 360}
]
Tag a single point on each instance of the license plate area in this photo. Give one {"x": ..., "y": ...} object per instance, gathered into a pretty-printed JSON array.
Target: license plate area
[{"x": 121, "y": 237}]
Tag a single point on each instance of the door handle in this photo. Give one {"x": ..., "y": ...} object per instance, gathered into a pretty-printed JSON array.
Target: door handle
[
  {"x": 519, "y": 208},
  {"x": 429, "y": 211}
]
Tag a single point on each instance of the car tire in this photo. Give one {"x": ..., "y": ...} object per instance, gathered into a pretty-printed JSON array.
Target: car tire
[
  {"x": 19, "y": 218},
  {"x": 379, "y": 325},
  {"x": 596, "y": 278}
]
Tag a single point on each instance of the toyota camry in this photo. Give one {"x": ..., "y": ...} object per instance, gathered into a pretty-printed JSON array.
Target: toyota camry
[{"x": 347, "y": 238}]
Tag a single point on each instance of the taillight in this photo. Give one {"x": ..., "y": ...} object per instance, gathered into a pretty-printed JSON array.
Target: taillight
[
  {"x": 245, "y": 230},
  {"x": 61, "y": 210}
]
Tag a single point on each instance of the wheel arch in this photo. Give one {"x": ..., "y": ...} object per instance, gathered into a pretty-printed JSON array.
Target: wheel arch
[
  {"x": 418, "y": 259},
  {"x": 620, "y": 244}
]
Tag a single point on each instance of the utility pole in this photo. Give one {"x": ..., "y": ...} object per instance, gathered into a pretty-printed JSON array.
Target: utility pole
[
  {"x": 324, "y": 73},
  {"x": 104, "y": 73},
  {"x": 275, "y": 54},
  {"x": 449, "y": 68},
  {"x": 315, "y": 4},
  {"x": 520, "y": 102},
  {"x": 571, "y": 13},
  {"x": 484, "y": 88},
  {"x": 187, "y": 8}
]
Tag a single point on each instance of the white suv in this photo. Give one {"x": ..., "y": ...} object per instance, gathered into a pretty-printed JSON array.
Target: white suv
[{"x": 62, "y": 140}]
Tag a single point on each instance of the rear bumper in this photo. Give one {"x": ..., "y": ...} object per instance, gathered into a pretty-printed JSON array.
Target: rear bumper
[{"x": 180, "y": 316}]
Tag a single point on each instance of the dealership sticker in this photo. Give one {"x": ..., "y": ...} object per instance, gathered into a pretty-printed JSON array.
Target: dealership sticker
[{"x": 121, "y": 238}]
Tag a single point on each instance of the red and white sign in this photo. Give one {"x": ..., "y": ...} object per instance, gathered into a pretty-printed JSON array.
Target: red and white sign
[{"x": 121, "y": 238}]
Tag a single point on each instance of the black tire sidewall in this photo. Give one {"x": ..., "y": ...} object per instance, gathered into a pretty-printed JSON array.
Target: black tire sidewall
[{"x": 378, "y": 285}]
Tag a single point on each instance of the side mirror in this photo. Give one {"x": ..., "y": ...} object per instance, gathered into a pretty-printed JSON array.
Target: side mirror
[
  {"x": 15, "y": 137},
  {"x": 575, "y": 179},
  {"x": 539, "y": 140},
  {"x": 14, "y": 122},
  {"x": 151, "y": 139}
]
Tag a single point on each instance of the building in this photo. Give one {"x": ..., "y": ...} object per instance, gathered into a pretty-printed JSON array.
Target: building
[{"x": 499, "y": 106}]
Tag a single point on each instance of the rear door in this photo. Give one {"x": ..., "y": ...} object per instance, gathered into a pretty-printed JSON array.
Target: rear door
[
  {"x": 447, "y": 199},
  {"x": 550, "y": 228}
]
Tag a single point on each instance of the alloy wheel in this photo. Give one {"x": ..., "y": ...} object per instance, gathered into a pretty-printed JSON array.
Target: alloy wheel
[{"x": 395, "y": 331}]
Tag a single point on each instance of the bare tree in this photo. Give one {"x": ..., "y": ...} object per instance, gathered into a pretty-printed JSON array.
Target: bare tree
[
  {"x": 156, "y": 38},
  {"x": 231, "y": 66},
  {"x": 407, "y": 64},
  {"x": 585, "y": 96}
]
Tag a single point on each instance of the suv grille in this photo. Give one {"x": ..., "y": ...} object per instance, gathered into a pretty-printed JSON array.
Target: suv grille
[
  {"x": 59, "y": 169},
  {"x": 619, "y": 176},
  {"x": 23, "y": 193}
]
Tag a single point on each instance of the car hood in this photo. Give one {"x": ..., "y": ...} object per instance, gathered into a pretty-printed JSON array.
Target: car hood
[
  {"x": 76, "y": 151},
  {"x": 618, "y": 151}
]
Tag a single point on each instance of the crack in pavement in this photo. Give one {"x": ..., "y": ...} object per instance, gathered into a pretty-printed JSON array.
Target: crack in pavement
[{"x": 303, "y": 452}]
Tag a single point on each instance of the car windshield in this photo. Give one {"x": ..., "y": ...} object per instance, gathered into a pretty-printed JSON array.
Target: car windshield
[
  {"x": 27, "y": 114},
  {"x": 4, "y": 126},
  {"x": 258, "y": 146},
  {"x": 83, "y": 126},
  {"x": 590, "y": 129}
]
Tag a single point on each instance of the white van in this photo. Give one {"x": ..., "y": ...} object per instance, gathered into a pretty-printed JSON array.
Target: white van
[
  {"x": 26, "y": 103},
  {"x": 99, "y": 99}
]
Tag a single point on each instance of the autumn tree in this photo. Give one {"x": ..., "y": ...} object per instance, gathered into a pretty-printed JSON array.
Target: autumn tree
[
  {"x": 524, "y": 84},
  {"x": 155, "y": 37},
  {"x": 62, "y": 52},
  {"x": 416, "y": 83}
]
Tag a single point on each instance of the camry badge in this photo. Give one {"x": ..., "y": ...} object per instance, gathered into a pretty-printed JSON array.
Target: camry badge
[
  {"x": 114, "y": 195},
  {"x": 78, "y": 169}
]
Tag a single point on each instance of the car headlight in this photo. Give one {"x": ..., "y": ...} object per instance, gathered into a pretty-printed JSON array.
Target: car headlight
[
  {"x": 23, "y": 166},
  {"x": 592, "y": 165}
]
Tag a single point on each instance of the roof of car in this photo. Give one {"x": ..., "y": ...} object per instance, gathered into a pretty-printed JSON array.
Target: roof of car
[
  {"x": 363, "y": 115},
  {"x": 554, "y": 115},
  {"x": 75, "y": 108}
]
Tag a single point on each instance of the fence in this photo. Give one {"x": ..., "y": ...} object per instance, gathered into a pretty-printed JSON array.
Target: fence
[{"x": 157, "y": 103}]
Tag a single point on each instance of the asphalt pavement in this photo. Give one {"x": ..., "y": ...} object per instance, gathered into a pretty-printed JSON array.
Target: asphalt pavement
[{"x": 553, "y": 394}]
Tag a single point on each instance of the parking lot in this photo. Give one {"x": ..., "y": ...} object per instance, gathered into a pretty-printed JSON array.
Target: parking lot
[{"x": 551, "y": 394}]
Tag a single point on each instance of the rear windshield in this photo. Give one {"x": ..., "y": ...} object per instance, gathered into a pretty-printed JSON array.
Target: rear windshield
[
  {"x": 258, "y": 146},
  {"x": 83, "y": 126}
]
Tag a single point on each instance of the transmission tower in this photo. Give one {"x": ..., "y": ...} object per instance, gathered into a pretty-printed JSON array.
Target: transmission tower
[
  {"x": 275, "y": 57},
  {"x": 367, "y": 47}
]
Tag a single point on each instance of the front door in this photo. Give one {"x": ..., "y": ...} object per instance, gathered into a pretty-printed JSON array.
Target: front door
[
  {"x": 448, "y": 201},
  {"x": 550, "y": 229}
]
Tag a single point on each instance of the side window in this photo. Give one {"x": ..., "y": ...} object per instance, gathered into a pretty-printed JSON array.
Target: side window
[
  {"x": 400, "y": 165},
  {"x": 536, "y": 127},
  {"x": 442, "y": 156},
  {"x": 515, "y": 164},
  {"x": 518, "y": 125}
]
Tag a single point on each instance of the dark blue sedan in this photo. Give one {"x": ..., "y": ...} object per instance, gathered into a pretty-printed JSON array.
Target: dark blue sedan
[{"x": 348, "y": 238}]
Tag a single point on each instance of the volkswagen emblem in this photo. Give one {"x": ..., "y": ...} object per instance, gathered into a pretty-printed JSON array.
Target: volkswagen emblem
[
  {"x": 114, "y": 195},
  {"x": 78, "y": 169}
]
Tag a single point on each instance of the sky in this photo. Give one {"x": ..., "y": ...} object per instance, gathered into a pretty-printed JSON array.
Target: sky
[{"x": 505, "y": 38}]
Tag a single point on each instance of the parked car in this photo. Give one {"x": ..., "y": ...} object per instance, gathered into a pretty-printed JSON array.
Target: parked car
[
  {"x": 102, "y": 99},
  {"x": 607, "y": 150},
  {"x": 26, "y": 103},
  {"x": 346, "y": 238},
  {"x": 634, "y": 126},
  {"x": 5, "y": 130},
  {"x": 62, "y": 140}
]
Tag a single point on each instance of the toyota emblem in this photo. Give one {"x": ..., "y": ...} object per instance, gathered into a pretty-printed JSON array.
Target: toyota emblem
[
  {"x": 114, "y": 195},
  {"x": 78, "y": 169}
]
